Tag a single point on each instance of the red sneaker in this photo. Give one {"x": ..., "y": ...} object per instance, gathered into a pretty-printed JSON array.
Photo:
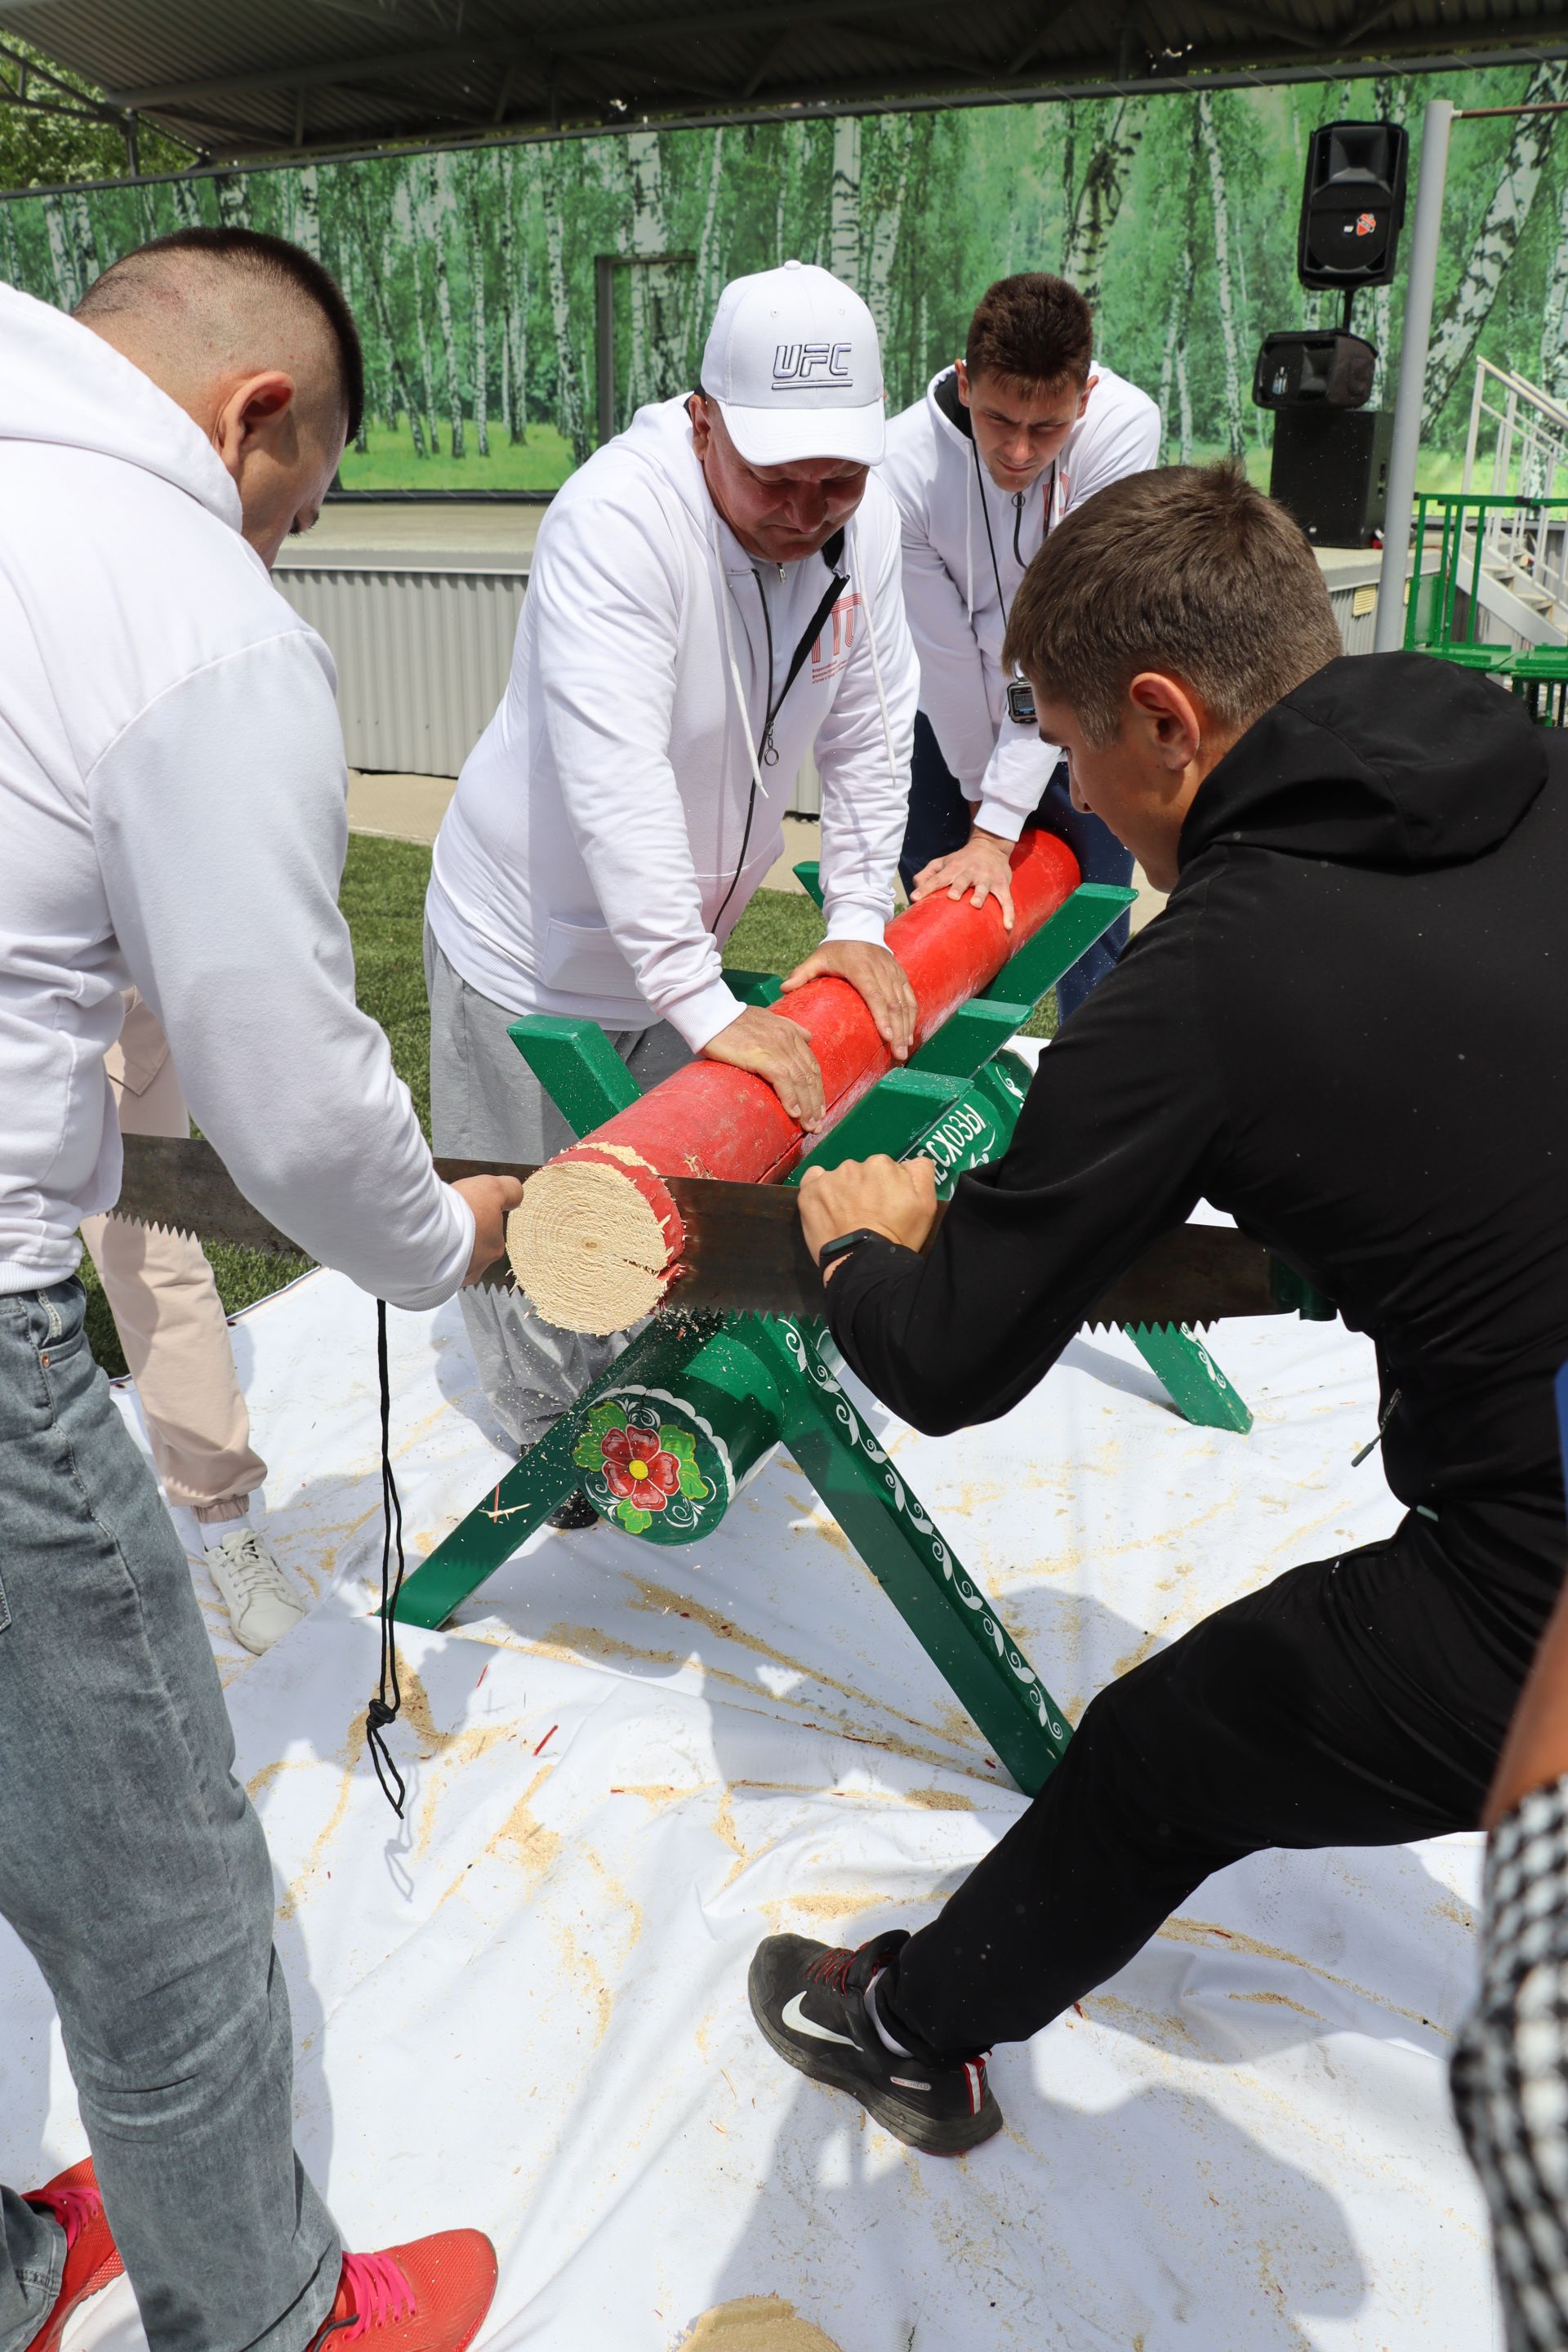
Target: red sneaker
[
  {"x": 91, "y": 2258},
  {"x": 430, "y": 2296}
]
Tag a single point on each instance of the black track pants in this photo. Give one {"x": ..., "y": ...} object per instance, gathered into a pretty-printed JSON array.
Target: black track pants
[{"x": 1356, "y": 1701}]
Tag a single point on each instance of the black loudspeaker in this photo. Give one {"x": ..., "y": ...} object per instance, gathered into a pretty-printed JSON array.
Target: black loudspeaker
[
  {"x": 1313, "y": 371},
  {"x": 1352, "y": 206},
  {"x": 1331, "y": 471}
]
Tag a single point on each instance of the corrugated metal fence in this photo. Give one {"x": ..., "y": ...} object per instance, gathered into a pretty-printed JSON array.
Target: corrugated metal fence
[{"x": 422, "y": 658}]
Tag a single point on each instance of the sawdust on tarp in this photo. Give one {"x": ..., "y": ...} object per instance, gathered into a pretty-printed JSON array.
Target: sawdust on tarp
[
  {"x": 758, "y": 2322},
  {"x": 572, "y": 1643},
  {"x": 1207, "y": 1933}
]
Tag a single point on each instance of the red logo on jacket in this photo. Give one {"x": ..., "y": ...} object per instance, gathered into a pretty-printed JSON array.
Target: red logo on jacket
[{"x": 826, "y": 664}]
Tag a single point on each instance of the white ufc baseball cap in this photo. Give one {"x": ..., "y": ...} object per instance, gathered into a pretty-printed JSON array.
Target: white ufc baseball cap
[{"x": 793, "y": 363}]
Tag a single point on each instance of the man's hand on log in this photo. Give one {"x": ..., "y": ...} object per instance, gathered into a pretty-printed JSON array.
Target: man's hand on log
[
  {"x": 982, "y": 866},
  {"x": 492, "y": 1199},
  {"x": 880, "y": 977},
  {"x": 895, "y": 1197},
  {"x": 779, "y": 1050}
]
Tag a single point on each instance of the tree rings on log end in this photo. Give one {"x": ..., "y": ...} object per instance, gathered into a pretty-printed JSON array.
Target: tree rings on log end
[{"x": 594, "y": 1240}]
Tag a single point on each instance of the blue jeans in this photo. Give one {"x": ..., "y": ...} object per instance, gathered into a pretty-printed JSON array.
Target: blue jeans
[
  {"x": 938, "y": 823},
  {"x": 135, "y": 1871}
]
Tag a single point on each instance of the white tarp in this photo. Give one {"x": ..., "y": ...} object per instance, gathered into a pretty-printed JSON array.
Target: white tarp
[{"x": 526, "y": 2010}]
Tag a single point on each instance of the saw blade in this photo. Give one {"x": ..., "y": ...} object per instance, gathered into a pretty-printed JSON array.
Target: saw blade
[
  {"x": 746, "y": 1252},
  {"x": 179, "y": 1183}
]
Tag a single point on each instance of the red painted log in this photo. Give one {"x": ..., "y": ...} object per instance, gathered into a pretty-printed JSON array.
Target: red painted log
[{"x": 709, "y": 1119}]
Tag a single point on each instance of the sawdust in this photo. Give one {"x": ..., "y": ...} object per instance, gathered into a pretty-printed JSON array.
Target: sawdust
[
  {"x": 1139, "y": 1651},
  {"x": 456, "y": 1751},
  {"x": 293, "y": 1895},
  {"x": 941, "y": 1800},
  {"x": 417, "y": 1709},
  {"x": 572, "y": 1643},
  {"x": 618, "y": 1906},
  {"x": 587, "y": 1248},
  {"x": 660, "y": 1598},
  {"x": 758, "y": 2322},
  {"x": 817, "y": 1523},
  {"x": 536, "y": 1850},
  {"x": 1279, "y": 2001},
  {"x": 781, "y": 1908},
  {"x": 1210, "y": 1936},
  {"x": 1156, "y": 2026},
  {"x": 582, "y": 1972}
]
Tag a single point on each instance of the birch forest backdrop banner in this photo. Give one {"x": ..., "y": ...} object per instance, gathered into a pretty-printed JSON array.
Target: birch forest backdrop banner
[{"x": 473, "y": 273}]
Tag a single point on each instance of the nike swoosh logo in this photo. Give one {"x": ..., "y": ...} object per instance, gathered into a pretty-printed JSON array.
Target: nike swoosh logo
[{"x": 796, "y": 2018}]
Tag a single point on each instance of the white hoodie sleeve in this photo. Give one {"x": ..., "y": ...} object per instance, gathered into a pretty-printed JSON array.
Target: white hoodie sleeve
[
  {"x": 220, "y": 823},
  {"x": 1019, "y": 769},
  {"x": 952, "y": 688},
  {"x": 863, "y": 747},
  {"x": 605, "y": 612}
]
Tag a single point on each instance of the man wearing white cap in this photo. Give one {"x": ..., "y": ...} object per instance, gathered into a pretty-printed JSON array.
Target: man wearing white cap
[{"x": 714, "y": 595}]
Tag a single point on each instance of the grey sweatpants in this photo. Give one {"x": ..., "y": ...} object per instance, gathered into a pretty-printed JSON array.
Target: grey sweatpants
[{"x": 487, "y": 1103}]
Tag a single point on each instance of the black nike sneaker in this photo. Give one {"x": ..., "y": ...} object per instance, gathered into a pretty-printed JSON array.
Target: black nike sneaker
[{"x": 810, "y": 2002}]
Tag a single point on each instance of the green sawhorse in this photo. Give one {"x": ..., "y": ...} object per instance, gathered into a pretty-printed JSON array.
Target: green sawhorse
[{"x": 662, "y": 1443}]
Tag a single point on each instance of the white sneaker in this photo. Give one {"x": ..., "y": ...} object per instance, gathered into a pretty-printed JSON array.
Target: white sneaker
[{"x": 261, "y": 1603}]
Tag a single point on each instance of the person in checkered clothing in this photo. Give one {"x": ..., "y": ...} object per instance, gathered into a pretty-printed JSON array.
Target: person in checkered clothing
[{"x": 1510, "y": 2069}]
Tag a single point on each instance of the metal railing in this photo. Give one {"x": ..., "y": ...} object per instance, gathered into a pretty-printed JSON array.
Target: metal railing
[
  {"x": 1521, "y": 568},
  {"x": 1529, "y": 433},
  {"x": 1477, "y": 535}
]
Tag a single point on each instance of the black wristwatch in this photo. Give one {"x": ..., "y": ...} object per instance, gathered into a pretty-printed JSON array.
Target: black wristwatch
[{"x": 842, "y": 1244}]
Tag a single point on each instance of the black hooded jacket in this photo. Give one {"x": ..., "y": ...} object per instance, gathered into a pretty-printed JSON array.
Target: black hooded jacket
[{"x": 1349, "y": 1028}]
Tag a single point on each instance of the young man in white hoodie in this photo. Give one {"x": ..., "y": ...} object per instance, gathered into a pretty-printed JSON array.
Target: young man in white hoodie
[
  {"x": 173, "y": 810},
  {"x": 1018, "y": 433},
  {"x": 714, "y": 595}
]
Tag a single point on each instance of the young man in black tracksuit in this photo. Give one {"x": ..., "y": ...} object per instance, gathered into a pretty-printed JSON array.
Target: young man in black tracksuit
[{"x": 1350, "y": 1029}]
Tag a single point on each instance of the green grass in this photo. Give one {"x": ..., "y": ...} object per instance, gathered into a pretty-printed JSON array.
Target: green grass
[
  {"x": 382, "y": 899},
  {"x": 543, "y": 461},
  {"x": 540, "y": 463}
]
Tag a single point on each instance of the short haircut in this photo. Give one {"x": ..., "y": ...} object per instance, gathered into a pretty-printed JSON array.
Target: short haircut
[
  {"x": 1189, "y": 571},
  {"x": 1032, "y": 329},
  {"x": 266, "y": 260}
]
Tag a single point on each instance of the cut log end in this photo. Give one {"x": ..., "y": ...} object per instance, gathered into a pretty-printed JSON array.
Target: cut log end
[{"x": 594, "y": 1245}]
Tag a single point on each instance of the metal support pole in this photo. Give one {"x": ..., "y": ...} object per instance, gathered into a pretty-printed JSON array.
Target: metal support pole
[
  {"x": 1389, "y": 631},
  {"x": 605, "y": 345}
]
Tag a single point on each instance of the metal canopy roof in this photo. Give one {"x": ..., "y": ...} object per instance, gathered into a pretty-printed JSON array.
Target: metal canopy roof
[{"x": 322, "y": 76}]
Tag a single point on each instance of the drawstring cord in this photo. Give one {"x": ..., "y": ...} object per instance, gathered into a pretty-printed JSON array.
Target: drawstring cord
[
  {"x": 867, "y": 600},
  {"x": 968, "y": 553},
  {"x": 757, "y": 783},
  {"x": 1373, "y": 1443},
  {"x": 384, "y": 1708}
]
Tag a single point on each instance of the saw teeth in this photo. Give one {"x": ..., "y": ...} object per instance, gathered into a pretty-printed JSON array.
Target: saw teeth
[
  {"x": 1107, "y": 1323},
  {"x": 153, "y": 1226}
]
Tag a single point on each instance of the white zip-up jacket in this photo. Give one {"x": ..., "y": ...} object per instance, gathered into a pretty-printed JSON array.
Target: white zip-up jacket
[
  {"x": 945, "y": 500},
  {"x": 173, "y": 815},
  {"x": 599, "y": 823}
]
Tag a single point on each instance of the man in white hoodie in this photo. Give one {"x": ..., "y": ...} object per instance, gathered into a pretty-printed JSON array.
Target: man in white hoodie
[
  {"x": 714, "y": 595},
  {"x": 1021, "y": 431},
  {"x": 173, "y": 814}
]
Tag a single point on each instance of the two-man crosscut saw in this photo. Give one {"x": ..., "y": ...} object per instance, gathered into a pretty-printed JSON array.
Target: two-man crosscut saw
[{"x": 745, "y": 1249}]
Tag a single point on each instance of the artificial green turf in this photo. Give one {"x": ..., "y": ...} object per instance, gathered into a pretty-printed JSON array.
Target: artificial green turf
[{"x": 382, "y": 899}]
